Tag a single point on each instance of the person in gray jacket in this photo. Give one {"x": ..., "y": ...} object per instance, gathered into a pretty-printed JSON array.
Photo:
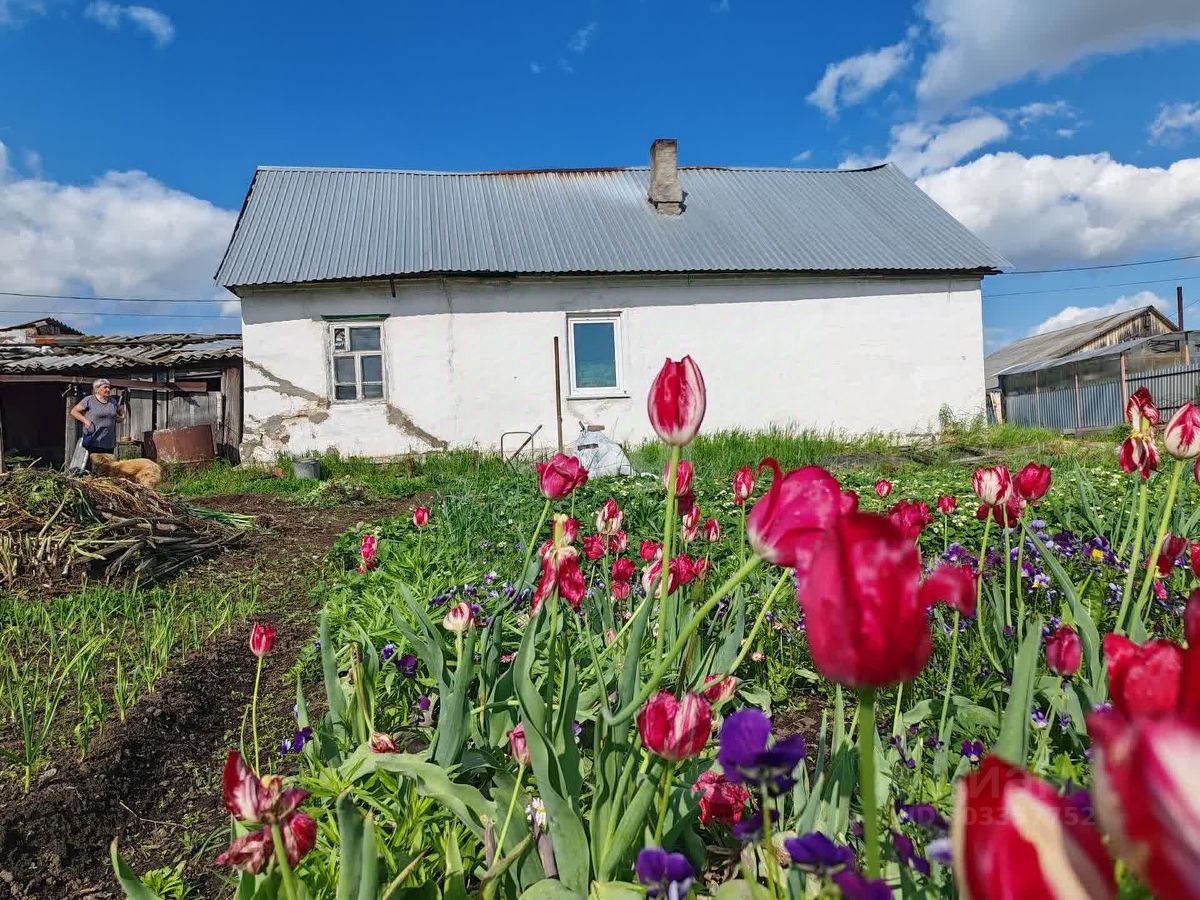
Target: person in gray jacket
[{"x": 99, "y": 414}]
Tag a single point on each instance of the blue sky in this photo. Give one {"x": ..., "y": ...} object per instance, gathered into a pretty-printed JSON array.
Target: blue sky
[{"x": 129, "y": 133}]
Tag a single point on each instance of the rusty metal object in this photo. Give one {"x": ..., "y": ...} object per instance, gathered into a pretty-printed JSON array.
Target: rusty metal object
[{"x": 193, "y": 446}]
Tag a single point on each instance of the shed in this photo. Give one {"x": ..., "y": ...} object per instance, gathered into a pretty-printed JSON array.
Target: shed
[{"x": 170, "y": 381}]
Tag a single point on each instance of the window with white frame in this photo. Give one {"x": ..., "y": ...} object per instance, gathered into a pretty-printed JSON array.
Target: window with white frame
[
  {"x": 357, "y": 354},
  {"x": 594, "y": 349}
]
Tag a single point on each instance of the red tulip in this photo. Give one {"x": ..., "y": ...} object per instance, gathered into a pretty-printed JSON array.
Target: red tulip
[
  {"x": 1064, "y": 651},
  {"x": 675, "y": 729},
  {"x": 368, "y": 549},
  {"x": 421, "y": 516},
  {"x": 1194, "y": 554},
  {"x": 1146, "y": 798},
  {"x": 459, "y": 619},
  {"x": 1032, "y": 482},
  {"x": 1006, "y": 515},
  {"x": 720, "y": 801},
  {"x": 560, "y": 571},
  {"x": 1138, "y": 454},
  {"x": 743, "y": 485},
  {"x": 911, "y": 518},
  {"x": 947, "y": 504},
  {"x": 650, "y": 551},
  {"x": 700, "y": 567},
  {"x": 518, "y": 746},
  {"x": 683, "y": 568},
  {"x": 560, "y": 476},
  {"x": 1015, "y": 836},
  {"x": 621, "y": 589},
  {"x": 618, "y": 542},
  {"x": 1172, "y": 546},
  {"x": 787, "y": 523},
  {"x": 593, "y": 546},
  {"x": 1143, "y": 680},
  {"x": 623, "y": 569},
  {"x": 253, "y": 800},
  {"x": 712, "y": 530},
  {"x": 1140, "y": 411},
  {"x": 866, "y": 619},
  {"x": 992, "y": 484},
  {"x": 252, "y": 852},
  {"x": 883, "y": 487},
  {"x": 952, "y": 585},
  {"x": 566, "y": 528},
  {"x": 676, "y": 401},
  {"x": 262, "y": 639},
  {"x": 683, "y": 477},
  {"x": 1182, "y": 434},
  {"x": 719, "y": 688},
  {"x": 609, "y": 518}
]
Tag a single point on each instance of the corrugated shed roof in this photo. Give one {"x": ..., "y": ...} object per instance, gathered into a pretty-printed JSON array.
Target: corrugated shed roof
[
  {"x": 44, "y": 325},
  {"x": 304, "y": 225},
  {"x": 105, "y": 354},
  {"x": 1053, "y": 345}
]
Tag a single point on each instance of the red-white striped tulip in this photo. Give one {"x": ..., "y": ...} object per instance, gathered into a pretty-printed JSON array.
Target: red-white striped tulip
[
  {"x": 788, "y": 522},
  {"x": 560, "y": 571},
  {"x": 883, "y": 487},
  {"x": 594, "y": 546},
  {"x": 1015, "y": 836},
  {"x": 421, "y": 516},
  {"x": 719, "y": 688},
  {"x": 609, "y": 518},
  {"x": 743, "y": 485},
  {"x": 1138, "y": 453},
  {"x": 675, "y": 729},
  {"x": 652, "y": 574},
  {"x": 1182, "y": 434},
  {"x": 262, "y": 639},
  {"x": 561, "y": 475},
  {"x": 459, "y": 619},
  {"x": 683, "y": 477},
  {"x": 1140, "y": 411},
  {"x": 381, "y": 742},
  {"x": 992, "y": 484},
  {"x": 1147, "y": 798},
  {"x": 712, "y": 530},
  {"x": 691, "y": 518},
  {"x": 566, "y": 529},
  {"x": 650, "y": 551},
  {"x": 676, "y": 401},
  {"x": 618, "y": 542}
]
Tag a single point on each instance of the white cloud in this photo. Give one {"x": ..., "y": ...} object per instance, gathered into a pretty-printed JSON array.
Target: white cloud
[
  {"x": 1031, "y": 112},
  {"x": 535, "y": 68},
  {"x": 1046, "y": 211},
  {"x": 111, "y": 15},
  {"x": 580, "y": 39},
  {"x": 123, "y": 235},
  {"x": 854, "y": 79},
  {"x": 1173, "y": 120},
  {"x": 983, "y": 44},
  {"x": 920, "y": 149},
  {"x": 14, "y": 12},
  {"x": 1076, "y": 315},
  {"x": 802, "y": 156},
  {"x": 721, "y": 6},
  {"x": 1065, "y": 132}
]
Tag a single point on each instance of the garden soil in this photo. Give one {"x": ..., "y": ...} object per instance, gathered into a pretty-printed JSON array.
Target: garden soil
[{"x": 153, "y": 781}]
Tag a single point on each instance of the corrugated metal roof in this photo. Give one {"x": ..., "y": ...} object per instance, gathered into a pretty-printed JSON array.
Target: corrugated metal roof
[
  {"x": 303, "y": 225},
  {"x": 1034, "y": 352},
  {"x": 105, "y": 354}
]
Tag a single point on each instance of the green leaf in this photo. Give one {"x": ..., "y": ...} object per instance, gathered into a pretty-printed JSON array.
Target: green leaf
[
  {"x": 130, "y": 883},
  {"x": 629, "y": 828},
  {"x": 740, "y": 889},
  {"x": 358, "y": 863},
  {"x": 550, "y": 889},
  {"x": 456, "y": 707},
  {"x": 616, "y": 890},
  {"x": 333, "y": 685},
  {"x": 1013, "y": 743},
  {"x": 733, "y": 638}
]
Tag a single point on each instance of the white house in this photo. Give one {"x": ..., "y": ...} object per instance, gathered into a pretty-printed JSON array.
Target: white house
[{"x": 386, "y": 312}]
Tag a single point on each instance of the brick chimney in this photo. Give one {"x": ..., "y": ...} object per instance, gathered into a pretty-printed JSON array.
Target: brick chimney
[{"x": 666, "y": 193}]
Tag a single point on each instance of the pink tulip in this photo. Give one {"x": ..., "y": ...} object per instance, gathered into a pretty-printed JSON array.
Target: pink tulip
[
  {"x": 561, "y": 475},
  {"x": 262, "y": 639},
  {"x": 743, "y": 485},
  {"x": 383, "y": 743},
  {"x": 712, "y": 530},
  {"x": 609, "y": 518},
  {"x": 1182, "y": 434},
  {"x": 368, "y": 549},
  {"x": 683, "y": 477},
  {"x": 459, "y": 619},
  {"x": 700, "y": 567},
  {"x": 676, "y": 402},
  {"x": 992, "y": 484},
  {"x": 788, "y": 522},
  {"x": 675, "y": 729},
  {"x": 518, "y": 745},
  {"x": 952, "y": 585},
  {"x": 719, "y": 688},
  {"x": 947, "y": 504},
  {"x": 883, "y": 487},
  {"x": 421, "y": 516},
  {"x": 1064, "y": 651}
]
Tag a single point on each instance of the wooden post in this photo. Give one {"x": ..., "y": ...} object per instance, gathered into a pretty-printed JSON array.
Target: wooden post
[
  {"x": 1124, "y": 389},
  {"x": 1037, "y": 395},
  {"x": 1078, "y": 407},
  {"x": 1187, "y": 351},
  {"x": 69, "y": 429},
  {"x": 558, "y": 394}
]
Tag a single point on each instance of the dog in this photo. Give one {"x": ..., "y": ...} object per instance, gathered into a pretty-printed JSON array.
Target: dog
[{"x": 145, "y": 472}]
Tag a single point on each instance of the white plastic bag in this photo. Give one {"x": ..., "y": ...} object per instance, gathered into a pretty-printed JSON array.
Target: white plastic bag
[
  {"x": 79, "y": 459},
  {"x": 600, "y": 455}
]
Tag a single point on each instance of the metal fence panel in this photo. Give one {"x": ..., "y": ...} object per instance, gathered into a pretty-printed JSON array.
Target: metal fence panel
[
  {"x": 1100, "y": 404},
  {"x": 1170, "y": 387}
]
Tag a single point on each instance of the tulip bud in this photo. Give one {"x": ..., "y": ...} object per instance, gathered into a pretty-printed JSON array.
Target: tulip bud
[
  {"x": 675, "y": 729},
  {"x": 947, "y": 504},
  {"x": 421, "y": 516},
  {"x": 700, "y": 568},
  {"x": 743, "y": 485},
  {"x": 883, "y": 487},
  {"x": 1032, "y": 482},
  {"x": 609, "y": 518},
  {"x": 692, "y": 518},
  {"x": 383, "y": 743},
  {"x": 518, "y": 746},
  {"x": 459, "y": 619},
  {"x": 1182, "y": 435},
  {"x": 992, "y": 484},
  {"x": 1064, "y": 652},
  {"x": 719, "y": 688},
  {"x": 683, "y": 477},
  {"x": 262, "y": 639},
  {"x": 712, "y": 530},
  {"x": 368, "y": 550},
  {"x": 676, "y": 402},
  {"x": 561, "y": 475}
]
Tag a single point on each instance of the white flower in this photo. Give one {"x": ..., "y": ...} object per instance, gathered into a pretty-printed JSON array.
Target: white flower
[{"x": 535, "y": 813}]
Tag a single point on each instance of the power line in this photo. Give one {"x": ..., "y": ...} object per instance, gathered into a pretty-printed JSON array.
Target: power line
[
  {"x": 93, "y": 312},
  {"x": 1124, "y": 265},
  {"x": 109, "y": 299},
  {"x": 1094, "y": 287}
]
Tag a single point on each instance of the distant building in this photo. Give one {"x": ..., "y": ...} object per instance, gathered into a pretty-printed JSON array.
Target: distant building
[{"x": 386, "y": 312}]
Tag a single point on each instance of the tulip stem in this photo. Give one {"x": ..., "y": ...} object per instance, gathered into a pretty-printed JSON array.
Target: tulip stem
[
  {"x": 743, "y": 510},
  {"x": 866, "y": 777},
  {"x": 1020, "y": 576},
  {"x": 1007, "y": 573},
  {"x": 512, "y": 803},
  {"x": 664, "y": 796},
  {"x": 1135, "y": 555},
  {"x": 688, "y": 630},
  {"x": 768, "y": 843},
  {"x": 896, "y": 714},
  {"x": 987, "y": 530},
  {"x": 1164, "y": 525},
  {"x": 941, "y": 732},
  {"x": 532, "y": 543},
  {"x": 664, "y": 577},
  {"x": 254, "y": 712},
  {"x": 289, "y": 877},
  {"x": 762, "y": 614}
]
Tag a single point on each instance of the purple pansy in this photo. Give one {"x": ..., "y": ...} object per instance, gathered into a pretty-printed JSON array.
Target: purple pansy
[
  {"x": 750, "y": 829},
  {"x": 747, "y": 755},
  {"x": 665, "y": 875},
  {"x": 923, "y": 815},
  {"x": 407, "y": 665},
  {"x": 907, "y": 854},
  {"x": 387, "y": 651},
  {"x": 856, "y": 887},
  {"x": 973, "y": 751},
  {"x": 817, "y": 853}
]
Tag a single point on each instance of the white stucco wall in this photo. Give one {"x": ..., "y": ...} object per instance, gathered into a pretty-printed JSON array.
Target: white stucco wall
[{"x": 467, "y": 359}]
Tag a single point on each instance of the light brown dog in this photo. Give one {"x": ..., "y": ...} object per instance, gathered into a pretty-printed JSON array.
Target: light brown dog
[{"x": 145, "y": 472}]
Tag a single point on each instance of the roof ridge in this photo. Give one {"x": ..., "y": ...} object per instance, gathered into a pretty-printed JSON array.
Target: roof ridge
[{"x": 566, "y": 170}]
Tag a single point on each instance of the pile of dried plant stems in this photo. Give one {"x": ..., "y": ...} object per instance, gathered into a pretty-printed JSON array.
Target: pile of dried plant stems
[{"x": 55, "y": 526}]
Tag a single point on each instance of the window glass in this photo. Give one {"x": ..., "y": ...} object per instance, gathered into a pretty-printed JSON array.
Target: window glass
[
  {"x": 343, "y": 370},
  {"x": 595, "y": 354},
  {"x": 372, "y": 368},
  {"x": 339, "y": 340},
  {"x": 372, "y": 391},
  {"x": 364, "y": 339},
  {"x": 344, "y": 392}
]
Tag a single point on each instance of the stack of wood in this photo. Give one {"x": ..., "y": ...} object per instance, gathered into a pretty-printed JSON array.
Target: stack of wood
[{"x": 56, "y": 529}]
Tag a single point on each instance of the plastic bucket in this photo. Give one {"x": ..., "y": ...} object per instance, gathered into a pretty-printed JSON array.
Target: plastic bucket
[{"x": 307, "y": 468}]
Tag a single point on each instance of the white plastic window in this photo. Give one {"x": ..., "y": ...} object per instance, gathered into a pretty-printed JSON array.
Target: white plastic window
[
  {"x": 357, "y": 353},
  {"x": 594, "y": 348}
]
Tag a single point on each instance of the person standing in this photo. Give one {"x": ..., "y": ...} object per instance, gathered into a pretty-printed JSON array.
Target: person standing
[{"x": 99, "y": 414}]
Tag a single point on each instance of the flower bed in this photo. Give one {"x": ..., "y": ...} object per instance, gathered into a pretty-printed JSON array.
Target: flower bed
[{"x": 1000, "y": 697}]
